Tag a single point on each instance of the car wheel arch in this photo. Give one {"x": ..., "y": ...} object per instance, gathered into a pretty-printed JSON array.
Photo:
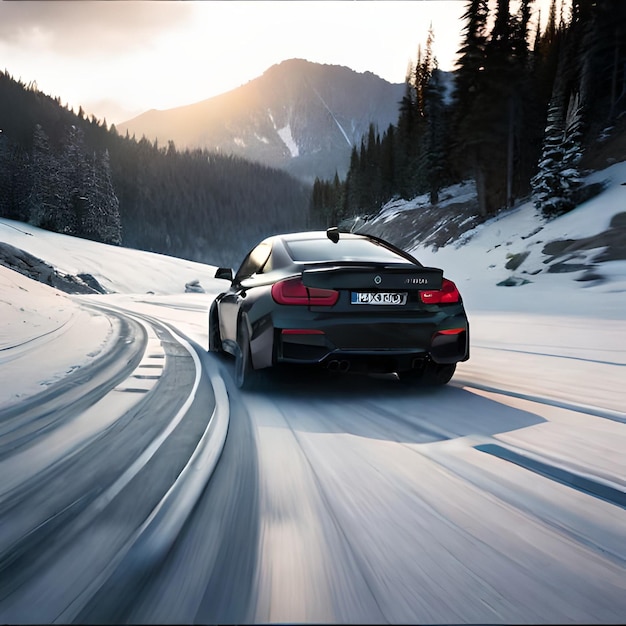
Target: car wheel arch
[{"x": 215, "y": 335}]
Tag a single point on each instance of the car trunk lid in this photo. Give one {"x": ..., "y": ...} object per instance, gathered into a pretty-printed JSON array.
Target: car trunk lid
[{"x": 374, "y": 277}]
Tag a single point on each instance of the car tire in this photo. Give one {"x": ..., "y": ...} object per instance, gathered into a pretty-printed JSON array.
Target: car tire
[
  {"x": 432, "y": 375},
  {"x": 246, "y": 377},
  {"x": 439, "y": 374},
  {"x": 215, "y": 341}
]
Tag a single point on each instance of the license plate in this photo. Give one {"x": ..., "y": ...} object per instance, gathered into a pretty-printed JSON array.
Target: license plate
[{"x": 379, "y": 297}]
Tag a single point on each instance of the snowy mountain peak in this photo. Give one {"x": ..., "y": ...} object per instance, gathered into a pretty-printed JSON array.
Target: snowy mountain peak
[{"x": 299, "y": 116}]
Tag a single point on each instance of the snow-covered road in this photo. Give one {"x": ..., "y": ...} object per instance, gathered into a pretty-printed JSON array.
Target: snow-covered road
[
  {"x": 344, "y": 499},
  {"x": 358, "y": 500}
]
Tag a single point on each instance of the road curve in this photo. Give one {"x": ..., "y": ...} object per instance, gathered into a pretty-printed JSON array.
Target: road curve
[{"x": 126, "y": 455}]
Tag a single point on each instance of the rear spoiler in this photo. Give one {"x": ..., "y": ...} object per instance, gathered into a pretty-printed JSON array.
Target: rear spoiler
[{"x": 396, "y": 277}]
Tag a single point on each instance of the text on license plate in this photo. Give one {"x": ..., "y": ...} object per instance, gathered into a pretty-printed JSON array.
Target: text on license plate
[{"x": 379, "y": 297}]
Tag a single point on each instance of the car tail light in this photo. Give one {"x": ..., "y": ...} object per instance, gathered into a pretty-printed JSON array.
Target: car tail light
[
  {"x": 448, "y": 294},
  {"x": 293, "y": 291}
]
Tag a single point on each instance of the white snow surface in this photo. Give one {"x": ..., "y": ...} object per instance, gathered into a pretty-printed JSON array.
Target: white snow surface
[
  {"x": 477, "y": 262},
  {"x": 554, "y": 338},
  {"x": 461, "y": 192},
  {"x": 46, "y": 334},
  {"x": 285, "y": 134}
]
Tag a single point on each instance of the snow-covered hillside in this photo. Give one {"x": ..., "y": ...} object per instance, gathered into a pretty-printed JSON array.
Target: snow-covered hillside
[
  {"x": 118, "y": 270},
  {"x": 566, "y": 281},
  {"x": 550, "y": 334},
  {"x": 46, "y": 334}
]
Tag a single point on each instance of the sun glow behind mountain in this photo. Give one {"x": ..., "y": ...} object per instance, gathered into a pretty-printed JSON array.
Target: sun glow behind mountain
[
  {"x": 118, "y": 59},
  {"x": 159, "y": 55}
]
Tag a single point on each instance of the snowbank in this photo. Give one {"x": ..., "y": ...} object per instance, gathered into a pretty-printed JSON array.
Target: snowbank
[
  {"x": 119, "y": 270},
  {"x": 44, "y": 336}
]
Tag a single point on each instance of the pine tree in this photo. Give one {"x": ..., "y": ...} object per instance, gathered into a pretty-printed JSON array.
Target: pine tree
[
  {"x": 423, "y": 72},
  {"x": 102, "y": 221},
  {"x": 558, "y": 179},
  {"x": 388, "y": 163},
  {"x": 471, "y": 54},
  {"x": 469, "y": 97},
  {"x": 352, "y": 184},
  {"x": 424, "y": 100},
  {"x": 45, "y": 190},
  {"x": 374, "y": 198},
  {"x": 523, "y": 114},
  {"x": 407, "y": 139},
  {"x": 434, "y": 159},
  {"x": 490, "y": 109},
  {"x": 74, "y": 171},
  {"x": 500, "y": 110},
  {"x": 6, "y": 177},
  {"x": 338, "y": 201},
  {"x": 364, "y": 181},
  {"x": 601, "y": 28}
]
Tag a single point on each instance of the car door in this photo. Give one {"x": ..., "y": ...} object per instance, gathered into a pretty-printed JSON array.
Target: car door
[{"x": 243, "y": 281}]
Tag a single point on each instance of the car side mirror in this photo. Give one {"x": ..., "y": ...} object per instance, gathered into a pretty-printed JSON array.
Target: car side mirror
[
  {"x": 333, "y": 234},
  {"x": 225, "y": 273}
]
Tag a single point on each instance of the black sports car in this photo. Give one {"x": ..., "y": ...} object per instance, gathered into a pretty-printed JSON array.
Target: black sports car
[{"x": 341, "y": 301}]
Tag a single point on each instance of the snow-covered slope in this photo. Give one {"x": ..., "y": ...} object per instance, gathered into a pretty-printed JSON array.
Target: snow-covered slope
[
  {"x": 42, "y": 336},
  {"x": 46, "y": 334},
  {"x": 550, "y": 278},
  {"x": 119, "y": 270}
]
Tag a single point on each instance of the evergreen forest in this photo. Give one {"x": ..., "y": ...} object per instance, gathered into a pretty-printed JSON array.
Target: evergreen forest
[
  {"x": 525, "y": 108},
  {"x": 75, "y": 175}
]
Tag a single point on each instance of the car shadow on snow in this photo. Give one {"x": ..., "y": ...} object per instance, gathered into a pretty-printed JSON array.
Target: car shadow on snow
[{"x": 378, "y": 406}]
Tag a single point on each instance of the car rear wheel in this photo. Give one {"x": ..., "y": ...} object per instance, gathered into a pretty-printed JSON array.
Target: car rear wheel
[
  {"x": 433, "y": 375},
  {"x": 246, "y": 377},
  {"x": 439, "y": 374},
  {"x": 215, "y": 341}
]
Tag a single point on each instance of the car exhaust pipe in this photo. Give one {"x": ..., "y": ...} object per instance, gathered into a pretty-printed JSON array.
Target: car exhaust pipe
[
  {"x": 338, "y": 366},
  {"x": 418, "y": 363}
]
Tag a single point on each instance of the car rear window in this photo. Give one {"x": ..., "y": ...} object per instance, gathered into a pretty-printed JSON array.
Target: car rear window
[{"x": 347, "y": 249}]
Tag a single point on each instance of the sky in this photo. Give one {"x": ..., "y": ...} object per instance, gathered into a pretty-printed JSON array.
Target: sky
[{"x": 119, "y": 59}]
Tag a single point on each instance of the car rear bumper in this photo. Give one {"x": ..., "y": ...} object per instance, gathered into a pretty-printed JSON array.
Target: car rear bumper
[{"x": 371, "y": 344}]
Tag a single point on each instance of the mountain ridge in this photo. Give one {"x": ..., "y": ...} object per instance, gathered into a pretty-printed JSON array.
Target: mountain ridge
[{"x": 299, "y": 116}]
